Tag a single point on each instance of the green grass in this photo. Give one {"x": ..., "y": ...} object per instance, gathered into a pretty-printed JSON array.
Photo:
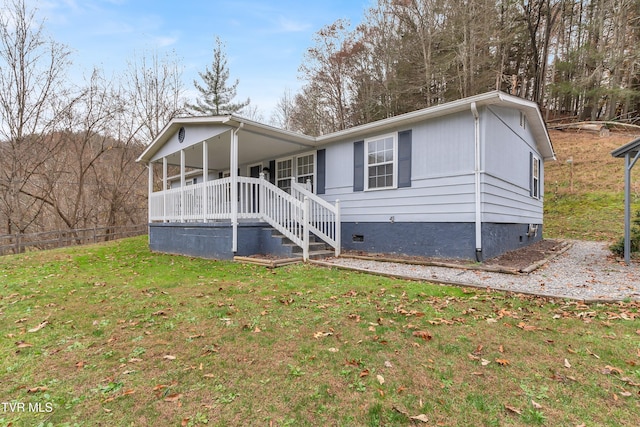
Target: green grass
[
  {"x": 128, "y": 337},
  {"x": 586, "y": 216}
]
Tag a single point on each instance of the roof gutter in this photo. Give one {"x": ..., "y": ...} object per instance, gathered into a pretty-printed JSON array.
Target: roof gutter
[{"x": 477, "y": 171}]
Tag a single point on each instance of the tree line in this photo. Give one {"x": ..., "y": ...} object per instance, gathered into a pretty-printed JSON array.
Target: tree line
[
  {"x": 575, "y": 58},
  {"x": 67, "y": 152}
]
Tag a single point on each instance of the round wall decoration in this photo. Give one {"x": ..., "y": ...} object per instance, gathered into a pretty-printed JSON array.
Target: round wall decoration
[{"x": 181, "y": 133}]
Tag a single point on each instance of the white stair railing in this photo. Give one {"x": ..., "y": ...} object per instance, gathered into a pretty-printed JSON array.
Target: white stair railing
[
  {"x": 323, "y": 217},
  {"x": 285, "y": 213}
]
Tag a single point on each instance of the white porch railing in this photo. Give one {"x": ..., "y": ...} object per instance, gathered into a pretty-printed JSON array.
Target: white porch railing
[{"x": 294, "y": 215}]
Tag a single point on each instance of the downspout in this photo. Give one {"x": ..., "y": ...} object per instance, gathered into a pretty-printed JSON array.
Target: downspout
[
  {"x": 478, "y": 199},
  {"x": 234, "y": 188}
]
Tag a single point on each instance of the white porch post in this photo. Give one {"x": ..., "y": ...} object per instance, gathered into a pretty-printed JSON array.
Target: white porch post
[
  {"x": 182, "y": 185},
  {"x": 234, "y": 188},
  {"x": 261, "y": 197},
  {"x": 305, "y": 229},
  {"x": 164, "y": 188},
  {"x": 205, "y": 178},
  {"x": 150, "y": 189}
]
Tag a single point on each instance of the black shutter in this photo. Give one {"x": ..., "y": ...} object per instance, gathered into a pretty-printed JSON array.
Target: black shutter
[
  {"x": 220, "y": 175},
  {"x": 272, "y": 171},
  {"x": 404, "y": 159},
  {"x": 321, "y": 167},
  {"x": 358, "y": 166}
]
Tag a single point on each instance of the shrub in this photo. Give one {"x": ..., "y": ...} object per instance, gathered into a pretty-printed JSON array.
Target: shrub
[{"x": 618, "y": 247}]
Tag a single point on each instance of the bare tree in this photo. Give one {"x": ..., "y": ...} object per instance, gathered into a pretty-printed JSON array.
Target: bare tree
[
  {"x": 155, "y": 88},
  {"x": 328, "y": 64},
  {"x": 282, "y": 115},
  {"x": 31, "y": 83},
  {"x": 252, "y": 112}
]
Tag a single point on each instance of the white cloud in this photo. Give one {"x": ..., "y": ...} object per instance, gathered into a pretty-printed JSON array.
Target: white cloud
[
  {"x": 164, "y": 41},
  {"x": 286, "y": 25}
]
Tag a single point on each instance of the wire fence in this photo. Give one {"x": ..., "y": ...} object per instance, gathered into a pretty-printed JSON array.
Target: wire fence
[{"x": 19, "y": 243}]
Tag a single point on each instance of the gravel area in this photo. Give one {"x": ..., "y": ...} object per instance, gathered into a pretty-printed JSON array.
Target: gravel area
[{"x": 586, "y": 271}]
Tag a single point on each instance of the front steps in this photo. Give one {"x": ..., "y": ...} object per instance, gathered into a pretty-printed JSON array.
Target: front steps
[
  {"x": 317, "y": 248},
  {"x": 279, "y": 250}
]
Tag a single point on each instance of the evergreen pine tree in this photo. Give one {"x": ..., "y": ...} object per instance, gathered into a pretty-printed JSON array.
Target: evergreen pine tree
[{"x": 215, "y": 95}]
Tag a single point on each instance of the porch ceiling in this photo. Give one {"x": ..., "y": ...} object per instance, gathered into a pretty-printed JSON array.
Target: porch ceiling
[{"x": 253, "y": 147}]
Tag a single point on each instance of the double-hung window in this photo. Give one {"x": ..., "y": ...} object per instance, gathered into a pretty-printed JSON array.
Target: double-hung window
[
  {"x": 381, "y": 162},
  {"x": 301, "y": 167},
  {"x": 284, "y": 172},
  {"x": 535, "y": 177},
  {"x": 305, "y": 168}
]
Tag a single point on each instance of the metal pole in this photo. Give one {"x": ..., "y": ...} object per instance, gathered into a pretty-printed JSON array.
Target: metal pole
[{"x": 627, "y": 208}]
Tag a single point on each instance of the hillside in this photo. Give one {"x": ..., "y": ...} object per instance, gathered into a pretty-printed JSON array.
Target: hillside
[{"x": 584, "y": 199}]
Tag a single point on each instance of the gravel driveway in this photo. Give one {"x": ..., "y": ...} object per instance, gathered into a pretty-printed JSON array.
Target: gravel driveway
[{"x": 586, "y": 271}]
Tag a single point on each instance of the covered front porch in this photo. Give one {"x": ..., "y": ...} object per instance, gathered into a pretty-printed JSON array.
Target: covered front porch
[{"x": 236, "y": 175}]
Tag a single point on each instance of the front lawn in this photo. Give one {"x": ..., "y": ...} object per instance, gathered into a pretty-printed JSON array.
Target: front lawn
[{"x": 113, "y": 334}]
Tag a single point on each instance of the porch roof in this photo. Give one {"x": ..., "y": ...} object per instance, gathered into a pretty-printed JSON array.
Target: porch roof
[
  {"x": 630, "y": 148},
  {"x": 259, "y": 141}
]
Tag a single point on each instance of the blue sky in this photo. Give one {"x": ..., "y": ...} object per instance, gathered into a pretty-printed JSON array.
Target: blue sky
[{"x": 265, "y": 40}]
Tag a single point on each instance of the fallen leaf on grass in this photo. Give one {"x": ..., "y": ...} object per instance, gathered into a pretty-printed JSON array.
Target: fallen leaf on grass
[
  {"x": 535, "y": 404},
  {"x": 80, "y": 364},
  {"x": 23, "y": 344},
  {"x": 24, "y": 319},
  {"x": 173, "y": 397},
  {"x": 484, "y": 362},
  {"x": 192, "y": 337},
  {"x": 593, "y": 354},
  {"x": 422, "y": 417},
  {"x": 380, "y": 379},
  {"x": 36, "y": 389},
  {"x": 321, "y": 334},
  {"x": 526, "y": 327},
  {"x": 333, "y": 350},
  {"x": 567, "y": 364},
  {"x": 210, "y": 375},
  {"x": 513, "y": 410},
  {"x": 169, "y": 357},
  {"x": 364, "y": 373},
  {"x": 422, "y": 334},
  {"x": 502, "y": 362},
  {"x": 608, "y": 370}
]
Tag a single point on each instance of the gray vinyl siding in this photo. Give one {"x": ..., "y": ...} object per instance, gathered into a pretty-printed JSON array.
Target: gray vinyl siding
[
  {"x": 506, "y": 179},
  {"x": 442, "y": 181}
]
